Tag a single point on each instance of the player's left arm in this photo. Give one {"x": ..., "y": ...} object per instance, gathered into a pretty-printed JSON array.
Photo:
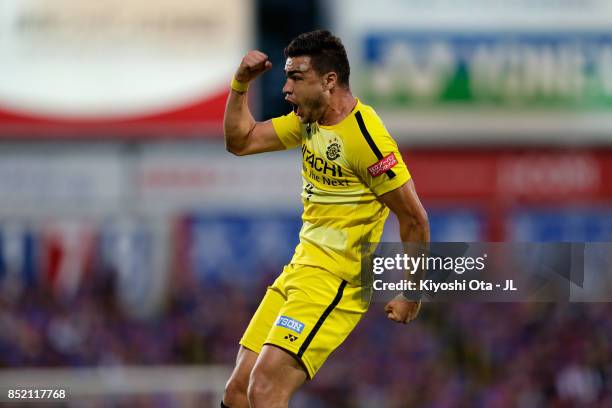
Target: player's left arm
[
  {"x": 412, "y": 217},
  {"x": 414, "y": 228},
  {"x": 376, "y": 159}
]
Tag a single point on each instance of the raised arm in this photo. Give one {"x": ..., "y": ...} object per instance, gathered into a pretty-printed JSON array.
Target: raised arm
[
  {"x": 414, "y": 228},
  {"x": 244, "y": 135}
]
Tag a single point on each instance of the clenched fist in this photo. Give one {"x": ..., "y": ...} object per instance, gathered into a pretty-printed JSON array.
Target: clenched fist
[
  {"x": 402, "y": 310},
  {"x": 252, "y": 65}
]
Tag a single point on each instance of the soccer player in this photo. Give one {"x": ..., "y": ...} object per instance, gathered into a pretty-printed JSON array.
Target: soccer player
[{"x": 352, "y": 175}]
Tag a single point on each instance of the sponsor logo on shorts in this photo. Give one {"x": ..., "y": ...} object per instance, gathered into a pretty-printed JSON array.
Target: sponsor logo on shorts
[
  {"x": 291, "y": 324},
  {"x": 383, "y": 165}
]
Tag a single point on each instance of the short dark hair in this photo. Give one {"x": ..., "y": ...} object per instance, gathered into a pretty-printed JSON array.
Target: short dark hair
[{"x": 326, "y": 53}]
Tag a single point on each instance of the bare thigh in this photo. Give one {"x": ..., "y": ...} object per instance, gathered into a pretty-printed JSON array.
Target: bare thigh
[
  {"x": 245, "y": 361},
  {"x": 278, "y": 369}
]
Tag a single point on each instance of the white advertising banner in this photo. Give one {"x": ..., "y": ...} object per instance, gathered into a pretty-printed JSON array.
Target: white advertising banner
[
  {"x": 144, "y": 66},
  {"x": 488, "y": 71}
]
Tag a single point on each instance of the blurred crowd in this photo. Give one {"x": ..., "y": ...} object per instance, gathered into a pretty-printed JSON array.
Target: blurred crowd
[{"x": 454, "y": 355}]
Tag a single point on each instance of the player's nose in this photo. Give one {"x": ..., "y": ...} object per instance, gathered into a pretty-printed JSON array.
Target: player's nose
[{"x": 288, "y": 88}]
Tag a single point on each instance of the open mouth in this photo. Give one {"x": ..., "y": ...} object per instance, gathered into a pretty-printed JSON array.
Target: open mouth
[{"x": 295, "y": 108}]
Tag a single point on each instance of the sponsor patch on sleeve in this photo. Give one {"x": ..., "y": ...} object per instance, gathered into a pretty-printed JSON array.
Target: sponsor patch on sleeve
[
  {"x": 383, "y": 165},
  {"x": 291, "y": 324}
]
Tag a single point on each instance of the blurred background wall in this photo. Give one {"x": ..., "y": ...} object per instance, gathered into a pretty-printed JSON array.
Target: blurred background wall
[{"x": 129, "y": 237}]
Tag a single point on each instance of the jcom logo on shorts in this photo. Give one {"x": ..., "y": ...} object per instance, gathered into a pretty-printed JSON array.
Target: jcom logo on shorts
[{"x": 291, "y": 324}]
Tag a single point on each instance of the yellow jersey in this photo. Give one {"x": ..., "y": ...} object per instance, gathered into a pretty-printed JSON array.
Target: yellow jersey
[{"x": 345, "y": 167}]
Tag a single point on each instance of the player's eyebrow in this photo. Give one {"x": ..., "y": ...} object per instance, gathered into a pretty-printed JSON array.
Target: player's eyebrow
[{"x": 293, "y": 72}]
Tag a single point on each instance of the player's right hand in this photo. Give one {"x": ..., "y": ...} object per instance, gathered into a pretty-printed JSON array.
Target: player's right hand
[{"x": 252, "y": 65}]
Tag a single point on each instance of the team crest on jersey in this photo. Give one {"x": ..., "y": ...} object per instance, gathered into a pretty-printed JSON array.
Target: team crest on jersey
[{"x": 333, "y": 150}]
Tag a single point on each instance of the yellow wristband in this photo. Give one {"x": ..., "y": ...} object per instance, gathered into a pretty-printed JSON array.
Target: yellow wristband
[{"x": 239, "y": 86}]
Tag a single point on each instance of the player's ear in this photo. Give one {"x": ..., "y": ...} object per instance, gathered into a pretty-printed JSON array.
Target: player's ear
[{"x": 331, "y": 80}]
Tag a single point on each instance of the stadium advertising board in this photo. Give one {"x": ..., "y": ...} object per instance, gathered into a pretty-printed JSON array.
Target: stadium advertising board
[
  {"x": 518, "y": 175},
  {"x": 56, "y": 181},
  {"x": 171, "y": 177},
  {"x": 484, "y": 69},
  {"x": 116, "y": 68}
]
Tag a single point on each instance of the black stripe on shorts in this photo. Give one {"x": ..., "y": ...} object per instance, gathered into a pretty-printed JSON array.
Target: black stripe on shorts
[
  {"x": 319, "y": 323},
  {"x": 368, "y": 138}
]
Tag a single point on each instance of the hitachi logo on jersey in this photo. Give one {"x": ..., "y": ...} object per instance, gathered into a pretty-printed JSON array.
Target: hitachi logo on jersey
[
  {"x": 382, "y": 165},
  {"x": 319, "y": 164},
  {"x": 291, "y": 324}
]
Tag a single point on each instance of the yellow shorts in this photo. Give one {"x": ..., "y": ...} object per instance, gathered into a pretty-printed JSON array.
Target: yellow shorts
[{"x": 307, "y": 311}]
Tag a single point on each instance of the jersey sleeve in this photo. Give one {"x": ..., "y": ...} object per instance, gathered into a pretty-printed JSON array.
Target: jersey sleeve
[
  {"x": 377, "y": 160},
  {"x": 288, "y": 129}
]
